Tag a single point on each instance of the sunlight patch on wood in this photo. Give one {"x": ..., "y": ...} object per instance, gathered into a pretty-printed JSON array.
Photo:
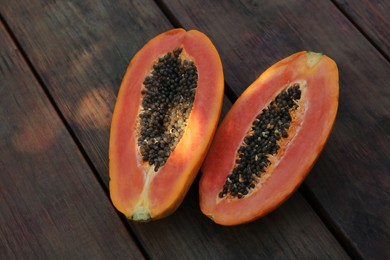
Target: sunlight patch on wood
[{"x": 93, "y": 110}]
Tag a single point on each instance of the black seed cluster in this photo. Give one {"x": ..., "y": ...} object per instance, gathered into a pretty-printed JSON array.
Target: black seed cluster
[
  {"x": 167, "y": 98},
  {"x": 267, "y": 129}
]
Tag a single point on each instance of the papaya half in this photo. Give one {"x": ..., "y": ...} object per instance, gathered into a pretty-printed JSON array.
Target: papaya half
[
  {"x": 163, "y": 122},
  {"x": 270, "y": 139}
]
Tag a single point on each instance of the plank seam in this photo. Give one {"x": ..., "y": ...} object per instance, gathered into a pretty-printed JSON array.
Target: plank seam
[
  {"x": 171, "y": 17},
  {"x": 330, "y": 224},
  {"x": 176, "y": 23},
  {"x": 361, "y": 30},
  {"x": 68, "y": 128}
]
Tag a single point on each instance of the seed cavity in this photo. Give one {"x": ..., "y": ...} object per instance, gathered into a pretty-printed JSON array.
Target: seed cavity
[
  {"x": 168, "y": 94},
  {"x": 262, "y": 141}
]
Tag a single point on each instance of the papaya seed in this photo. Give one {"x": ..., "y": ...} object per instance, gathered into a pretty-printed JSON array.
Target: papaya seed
[
  {"x": 168, "y": 94},
  {"x": 269, "y": 127}
]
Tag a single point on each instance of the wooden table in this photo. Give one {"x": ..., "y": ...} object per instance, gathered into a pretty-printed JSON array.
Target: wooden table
[{"x": 61, "y": 64}]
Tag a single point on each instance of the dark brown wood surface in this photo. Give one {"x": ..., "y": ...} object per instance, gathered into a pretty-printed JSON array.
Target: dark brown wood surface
[
  {"x": 79, "y": 50},
  {"x": 86, "y": 102},
  {"x": 351, "y": 180},
  {"x": 372, "y": 18},
  {"x": 51, "y": 205}
]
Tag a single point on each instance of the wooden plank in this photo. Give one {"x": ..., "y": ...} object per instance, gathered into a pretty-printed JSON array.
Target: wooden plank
[
  {"x": 83, "y": 73},
  {"x": 51, "y": 205},
  {"x": 351, "y": 179},
  {"x": 372, "y": 17}
]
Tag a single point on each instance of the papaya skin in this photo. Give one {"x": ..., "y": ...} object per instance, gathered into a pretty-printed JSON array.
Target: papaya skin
[
  {"x": 319, "y": 74},
  {"x": 136, "y": 189}
]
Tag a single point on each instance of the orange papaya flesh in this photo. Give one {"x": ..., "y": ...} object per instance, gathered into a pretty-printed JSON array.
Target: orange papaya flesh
[
  {"x": 245, "y": 178},
  {"x": 153, "y": 161}
]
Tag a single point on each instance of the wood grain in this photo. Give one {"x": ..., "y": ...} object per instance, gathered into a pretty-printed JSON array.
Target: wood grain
[
  {"x": 351, "y": 180},
  {"x": 373, "y": 19},
  {"x": 89, "y": 47},
  {"x": 51, "y": 206}
]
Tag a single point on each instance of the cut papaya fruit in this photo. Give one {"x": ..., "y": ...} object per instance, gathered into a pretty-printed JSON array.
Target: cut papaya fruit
[
  {"x": 164, "y": 119},
  {"x": 270, "y": 139}
]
